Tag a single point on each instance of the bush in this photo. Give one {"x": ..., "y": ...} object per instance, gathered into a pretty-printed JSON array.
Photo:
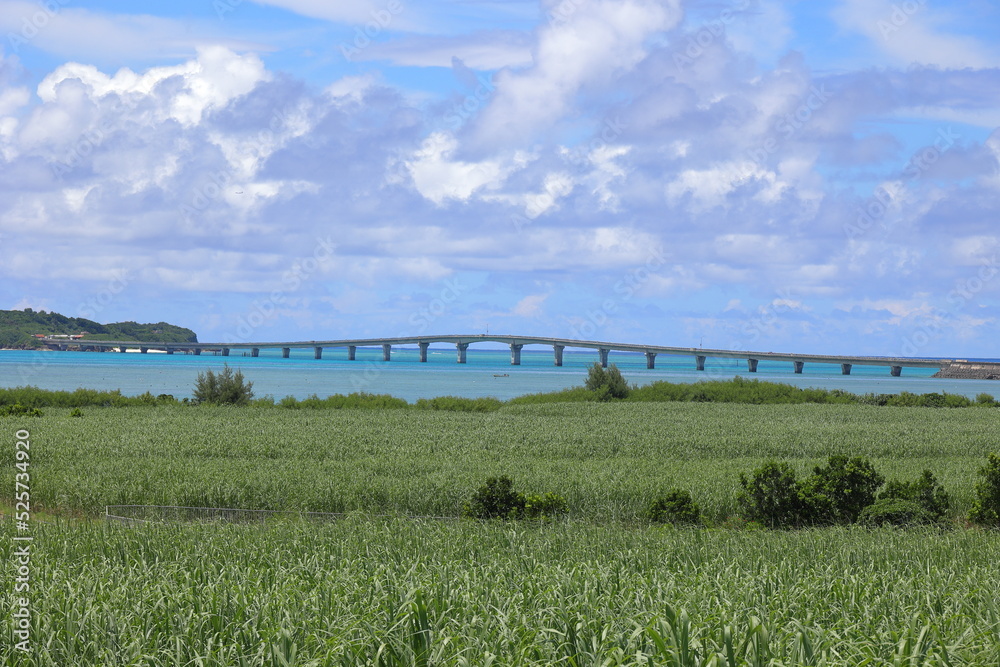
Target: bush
[
  {"x": 896, "y": 512},
  {"x": 770, "y": 496},
  {"x": 925, "y": 491},
  {"x": 546, "y": 505},
  {"x": 986, "y": 399},
  {"x": 607, "y": 383},
  {"x": 986, "y": 506},
  {"x": 495, "y": 500},
  {"x": 839, "y": 492},
  {"x": 675, "y": 507},
  {"x": 77, "y": 412},
  {"x": 18, "y": 410},
  {"x": 225, "y": 388}
]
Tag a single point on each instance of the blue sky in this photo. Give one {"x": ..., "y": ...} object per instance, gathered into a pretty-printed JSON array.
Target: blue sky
[{"x": 817, "y": 176}]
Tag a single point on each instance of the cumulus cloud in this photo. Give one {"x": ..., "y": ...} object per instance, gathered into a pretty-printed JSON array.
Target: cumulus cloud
[{"x": 712, "y": 193}]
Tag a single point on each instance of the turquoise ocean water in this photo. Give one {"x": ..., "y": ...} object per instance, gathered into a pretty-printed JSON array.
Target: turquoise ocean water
[{"x": 404, "y": 376}]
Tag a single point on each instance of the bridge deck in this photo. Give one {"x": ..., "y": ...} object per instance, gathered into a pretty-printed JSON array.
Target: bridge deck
[{"x": 516, "y": 342}]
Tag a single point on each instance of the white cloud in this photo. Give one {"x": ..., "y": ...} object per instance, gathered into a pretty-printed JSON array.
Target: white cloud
[
  {"x": 438, "y": 177},
  {"x": 76, "y": 33},
  {"x": 208, "y": 82},
  {"x": 599, "y": 40},
  {"x": 910, "y": 33},
  {"x": 530, "y": 306}
]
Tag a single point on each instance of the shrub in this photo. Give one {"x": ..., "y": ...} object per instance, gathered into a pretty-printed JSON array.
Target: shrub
[
  {"x": 289, "y": 402},
  {"x": 896, "y": 512},
  {"x": 495, "y": 500},
  {"x": 986, "y": 399},
  {"x": 925, "y": 491},
  {"x": 545, "y": 505},
  {"x": 77, "y": 412},
  {"x": 839, "y": 492},
  {"x": 227, "y": 387},
  {"x": 986, "y": 506},
  {"x": 675, "y": 507},
  {"x": 18, "y": 410},
  {"x": 770, "y": 496},
  {"x": 607, "y": 383}
]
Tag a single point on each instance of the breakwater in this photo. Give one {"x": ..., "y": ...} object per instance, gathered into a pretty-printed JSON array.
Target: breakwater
[{"x": 969, "y": 370}]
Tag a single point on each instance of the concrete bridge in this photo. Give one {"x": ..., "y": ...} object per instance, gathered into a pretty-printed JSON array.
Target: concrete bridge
[{"x": 516, "y": 343}]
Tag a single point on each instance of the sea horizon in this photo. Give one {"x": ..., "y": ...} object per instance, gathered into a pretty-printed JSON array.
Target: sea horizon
[{"x": 488, "y": 372}]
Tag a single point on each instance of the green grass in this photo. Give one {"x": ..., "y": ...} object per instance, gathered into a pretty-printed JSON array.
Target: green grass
[
  {"x": 607, "y": 459},
  {"x": 466, "y": 593},
  {"x": 601, "y": 587}
]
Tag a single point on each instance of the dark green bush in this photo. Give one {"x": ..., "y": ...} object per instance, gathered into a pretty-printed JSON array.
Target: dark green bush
[
  {"x": 770, "y": 496},
  {"x": 925, "y": 491},
  {"x": 77, "y": 412},
  {"x": 607, "y": 383},
  {"x": 496, "y": 499},
  {"x": 896, "y": 512},
  {"x": 545, "y": 505},
  {"x": 986, "y": 399},
  {"x": 676, "y": 507},
  {"x": 459, "y": 404},
  {"x": 225, "y": 388},
  {"x": 18, "y": 410},
  {"x": 986, "y": 506},
  {"x": 840, "y": 491}
]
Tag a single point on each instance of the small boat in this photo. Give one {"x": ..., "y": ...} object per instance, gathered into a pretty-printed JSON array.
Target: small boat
[{"x": 503, "y": 375}]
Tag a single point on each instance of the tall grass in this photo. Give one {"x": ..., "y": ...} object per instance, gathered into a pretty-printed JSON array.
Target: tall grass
[
  {"x": 607, "y": 459},
  {"x": 362, "y": 592}
]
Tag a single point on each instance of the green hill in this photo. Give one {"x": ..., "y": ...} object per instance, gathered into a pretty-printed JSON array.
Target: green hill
[{"x": 19, "y": 327}]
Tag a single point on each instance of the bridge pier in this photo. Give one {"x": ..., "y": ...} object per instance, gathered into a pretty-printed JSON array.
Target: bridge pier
[
  {"x": 699, "y": 363},
  {"x": 197, "y": 351},
  {"x": 386, "y": 352},
  {"x": 286, "y": 352},
  {"x": 604, "y": 356},
  {"x": 317, "y": 353},
  {"x": 352, "y": 351},
  {"x": 254, "y": 351},
  {"x": 558, "y": 352},
  {"x": 798, "y": 365},
  {"x": 752, "y": 365},
  {"x": 170, "y": 350},
  {"x": 462, "y": 349},
  {"x": 896, "y": 371},
  {"x": 423, "y": 351},
  {"x": 122, "y": 349},
  {"x": 515, "y": 354},
  {"x": 651, "y": 360},
  {"x": 845, "y": 369},
  {"x": 143, "y": 350}
]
